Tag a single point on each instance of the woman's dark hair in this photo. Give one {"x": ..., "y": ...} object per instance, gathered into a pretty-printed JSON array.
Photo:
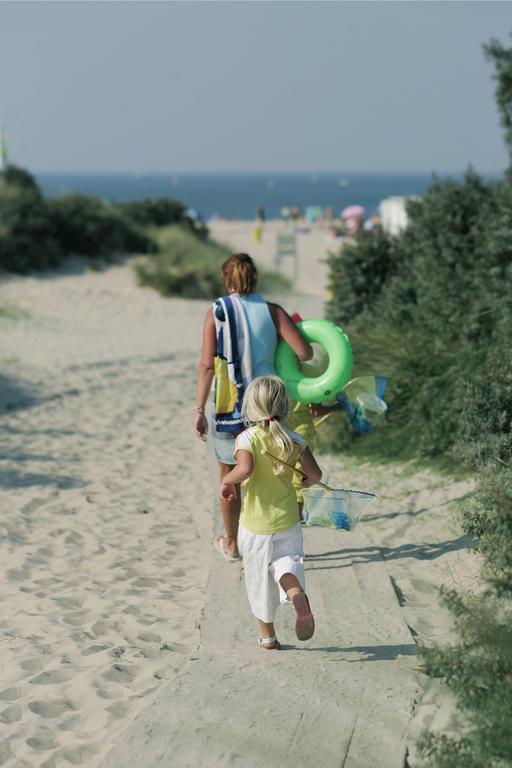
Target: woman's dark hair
[{"x": 239, "y": 273}]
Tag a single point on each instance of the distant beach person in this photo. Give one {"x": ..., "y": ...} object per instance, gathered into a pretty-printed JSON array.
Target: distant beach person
[
  {"x": 240, "y": 335},
  {"x": 270, "y": 536}
]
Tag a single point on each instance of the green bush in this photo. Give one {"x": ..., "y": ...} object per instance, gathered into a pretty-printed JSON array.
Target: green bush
[
  {"x": 484, "y": 426},
  {"x": 479, "y": 667},
  {"x": 488, "y": 517},
  {"x": 160, "y": 212},
  {"x": 157, "y": 212},
  {"x": 28, "y": 239},
  {"x": 436, "y": 321},
  {"x": 453, "y": 260},
  {"x": 190, "y": 267},
  {"x": 20, "y": 179},
  {"x": 87, "y": 227},
  {"x": 358, "y": 274},
  {"x": 37, "y": 234}
]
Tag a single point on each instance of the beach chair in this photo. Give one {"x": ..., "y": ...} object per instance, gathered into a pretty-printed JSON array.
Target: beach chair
[{"x": 286, "y": 246}]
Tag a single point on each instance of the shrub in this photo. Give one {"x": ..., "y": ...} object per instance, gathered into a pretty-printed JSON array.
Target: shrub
[
  {"x": 37, "y": 234},
  {"x": 157, "y": 212},
  {"x": 28, "y": 239},
  {"x": 358, "y": 273},
  {"x": 87, "y": 227},
  {"x": 484, "y": 426},
  {"x": 438, "y": 309},
  {"x": 479, "y": 667},
  {"x": 17, "y": 178}
]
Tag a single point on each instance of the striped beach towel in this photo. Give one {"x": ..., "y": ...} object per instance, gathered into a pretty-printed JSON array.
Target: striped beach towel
[{"x": 233, "y": 370}]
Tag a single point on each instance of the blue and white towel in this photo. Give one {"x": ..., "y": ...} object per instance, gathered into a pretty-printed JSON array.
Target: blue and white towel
[{"x": 233, "y": 370}]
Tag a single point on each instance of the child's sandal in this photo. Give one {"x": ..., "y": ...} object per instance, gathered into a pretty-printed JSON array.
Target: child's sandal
[
  {"x": 305, "y": 623},
  {"x": 269, "y": 643}
]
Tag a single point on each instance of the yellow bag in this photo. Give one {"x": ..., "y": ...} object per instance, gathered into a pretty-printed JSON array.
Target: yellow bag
[{"x": 226, "y": 393}]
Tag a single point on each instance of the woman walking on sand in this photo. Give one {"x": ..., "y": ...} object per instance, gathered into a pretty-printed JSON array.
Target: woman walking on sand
[{"x": 240, "y": 335}]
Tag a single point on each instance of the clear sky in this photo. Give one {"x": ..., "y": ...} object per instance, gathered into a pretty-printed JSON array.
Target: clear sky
[{"x": 251, "y": 86}]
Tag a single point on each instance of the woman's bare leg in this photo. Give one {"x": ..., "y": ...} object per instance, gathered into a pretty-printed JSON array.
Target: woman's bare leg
[{"x": 230, "y": 514}]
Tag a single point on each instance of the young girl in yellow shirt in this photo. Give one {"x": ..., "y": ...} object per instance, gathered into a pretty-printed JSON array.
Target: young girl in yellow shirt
[{"x": 270, "y": 536}]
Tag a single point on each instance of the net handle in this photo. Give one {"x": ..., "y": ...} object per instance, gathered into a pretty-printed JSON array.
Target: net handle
[{"x": 294, "y": 469}]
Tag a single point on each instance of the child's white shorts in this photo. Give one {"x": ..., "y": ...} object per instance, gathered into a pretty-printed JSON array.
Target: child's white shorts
[{"x": 267, "y": 557}]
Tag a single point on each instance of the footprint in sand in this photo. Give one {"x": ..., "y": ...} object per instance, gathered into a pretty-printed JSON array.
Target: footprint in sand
[
  {"x": 121, "y": 673},
  {"x": 11, "y": 714},
  {"x": 42, "y": 741},
  {"x": 53, "y": 676},
  {"x": 79, "y": 754},
  {"x": 75, "y": 620},
  {"x": 50, "y": 709},
  {"x": 5, "y": 753},
  {"x": 33, "y": 665},
  {"x": 94, "y": 649},
  {"x": 119, "y": 709},
  {"x": 10, "y": 694},
  {"x": 71, "y": 724},
  {"x": 70, "y": 603}
]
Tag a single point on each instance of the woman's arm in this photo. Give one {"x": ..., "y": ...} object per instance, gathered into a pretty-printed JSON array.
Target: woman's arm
[
  {"x": 287, "y": 330},
  {"x": 205, "y": 373}
]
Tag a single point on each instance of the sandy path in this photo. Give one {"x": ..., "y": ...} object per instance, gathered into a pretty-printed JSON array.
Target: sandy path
[
  {"x": 106, "y": 529},
  {"x": 105, "y": 520},
  {"x": 308, "y": 704}
]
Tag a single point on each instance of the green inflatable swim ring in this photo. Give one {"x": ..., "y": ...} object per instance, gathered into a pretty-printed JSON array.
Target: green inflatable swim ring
[{"x": 316, "y": 389}]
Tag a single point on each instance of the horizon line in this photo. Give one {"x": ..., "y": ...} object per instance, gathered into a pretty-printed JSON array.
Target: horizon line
[{"x": 266, "y": 173}]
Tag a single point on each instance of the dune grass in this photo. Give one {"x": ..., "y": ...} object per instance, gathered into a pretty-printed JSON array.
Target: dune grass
[{"x": 188, "y": 266}]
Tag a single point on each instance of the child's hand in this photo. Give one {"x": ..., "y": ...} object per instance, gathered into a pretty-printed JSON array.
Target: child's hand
[
  {"x": 306, "y": 482},
  {"x": 228, "y": 491}
]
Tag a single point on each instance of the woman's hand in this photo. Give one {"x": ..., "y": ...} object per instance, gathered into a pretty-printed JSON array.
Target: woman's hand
[
  {"x": 228, "y": 491},
  {"x": 201, "y": 426}
]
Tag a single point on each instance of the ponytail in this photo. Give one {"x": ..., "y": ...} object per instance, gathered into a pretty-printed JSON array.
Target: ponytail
[{"x": 280, "y": 438}]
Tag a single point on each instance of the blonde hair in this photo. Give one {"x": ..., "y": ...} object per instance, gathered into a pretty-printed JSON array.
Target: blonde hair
[
  {"x": 239, "y": 273},
  {"x": 266, "y": 404}
]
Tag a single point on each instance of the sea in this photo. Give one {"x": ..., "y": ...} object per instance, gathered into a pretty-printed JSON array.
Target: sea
[{"x": 237, "y": 196}]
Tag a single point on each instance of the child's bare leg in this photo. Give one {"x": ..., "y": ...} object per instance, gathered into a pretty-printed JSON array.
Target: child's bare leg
[
  {"x": 230, "y": 515},
  {"x": 290, "y": 584},
  {"x": 268, "y": 638},
  {"x": 266, "y": 630},
  {"x": 305, "y": 623}
]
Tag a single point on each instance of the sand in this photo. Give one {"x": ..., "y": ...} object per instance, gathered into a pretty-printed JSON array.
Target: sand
[{"x": 123, "y": 638}]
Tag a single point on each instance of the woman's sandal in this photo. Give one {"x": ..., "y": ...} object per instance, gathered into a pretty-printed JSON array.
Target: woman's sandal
[
  {"x": 269, "y": 643},
  {"x": 305, "y": 623},
  {"x": 218, "y": 545}
]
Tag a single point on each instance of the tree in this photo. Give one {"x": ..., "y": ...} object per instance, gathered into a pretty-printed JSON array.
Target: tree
[{"x": 501, "y": 57}]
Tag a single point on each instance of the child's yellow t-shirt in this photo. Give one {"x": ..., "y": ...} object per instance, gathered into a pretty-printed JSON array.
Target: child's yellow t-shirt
[{"x": 269, "y": 501}]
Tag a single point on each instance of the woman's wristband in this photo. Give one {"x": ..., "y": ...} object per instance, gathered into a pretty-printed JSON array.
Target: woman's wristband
[{"x": 199, "y": 409}]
